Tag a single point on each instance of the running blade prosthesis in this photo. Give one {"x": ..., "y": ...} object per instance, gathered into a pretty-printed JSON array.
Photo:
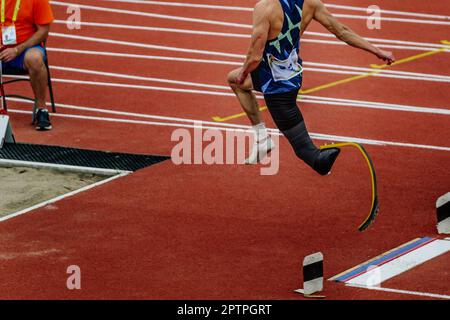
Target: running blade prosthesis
[{"x": 374, "y": 209}]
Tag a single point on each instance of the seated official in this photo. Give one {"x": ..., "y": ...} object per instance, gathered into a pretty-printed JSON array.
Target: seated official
[{"x": 25, "y": 27}]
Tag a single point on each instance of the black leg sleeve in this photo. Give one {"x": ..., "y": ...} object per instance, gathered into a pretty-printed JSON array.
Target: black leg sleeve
[
  {"x": 302, "y": 144},
  {"x": 288, "y": 118}
]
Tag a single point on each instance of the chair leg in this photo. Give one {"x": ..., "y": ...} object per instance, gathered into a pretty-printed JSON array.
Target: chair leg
[
  {"x": 50, "y": 88},
  {"x": 33, "y": 117},
  {"x": 5, "y": 105},
  {"x": 2, "y": 92}
]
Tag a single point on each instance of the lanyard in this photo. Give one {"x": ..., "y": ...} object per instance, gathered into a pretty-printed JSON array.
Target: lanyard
[{"x": 16, "y": 11}]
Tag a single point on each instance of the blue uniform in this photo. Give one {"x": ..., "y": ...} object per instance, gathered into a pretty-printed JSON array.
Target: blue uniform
[{"x": 281, "y": 69}]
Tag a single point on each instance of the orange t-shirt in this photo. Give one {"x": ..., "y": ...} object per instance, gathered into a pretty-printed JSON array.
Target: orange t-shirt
[{"x": 31, "y": 13}]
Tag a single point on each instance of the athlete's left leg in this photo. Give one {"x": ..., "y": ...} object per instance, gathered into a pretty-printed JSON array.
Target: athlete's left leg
[{"x": 288, "y": 118}]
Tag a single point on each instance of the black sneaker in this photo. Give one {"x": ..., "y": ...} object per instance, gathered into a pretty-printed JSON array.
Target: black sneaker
[
  {"x": 325, "y": 160},
  {"x": 43, "y": 120}
]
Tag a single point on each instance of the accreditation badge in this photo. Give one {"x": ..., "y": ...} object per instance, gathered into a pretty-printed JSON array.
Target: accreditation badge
[{"x": 9, "y": 35}]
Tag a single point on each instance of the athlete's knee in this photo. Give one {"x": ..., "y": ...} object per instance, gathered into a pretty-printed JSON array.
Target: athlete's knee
[
  {"x": 232, "y": 81},
  {"x": 231, "y": 78},
  {"x": 34, "y": 60}
]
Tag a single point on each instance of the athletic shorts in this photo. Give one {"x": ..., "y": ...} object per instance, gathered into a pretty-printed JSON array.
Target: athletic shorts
[
  {"x": 17, "y": 63},
  {"x": 276, "y": 88},
  {"x": 256, "y": 81}
]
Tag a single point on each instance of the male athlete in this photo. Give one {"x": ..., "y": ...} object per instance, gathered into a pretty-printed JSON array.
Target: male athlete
[{"x": 274, "y": 68}]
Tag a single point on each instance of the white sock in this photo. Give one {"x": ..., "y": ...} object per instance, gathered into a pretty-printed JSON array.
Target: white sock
[
  {"x": 261, "y": 146},
  {"x": 260, "y": 132}
]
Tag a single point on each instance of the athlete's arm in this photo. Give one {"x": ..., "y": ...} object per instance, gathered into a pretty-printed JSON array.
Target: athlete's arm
[
  {"x": 38, "y": 37},
  {"x": 261, "y": 27},
  {"x": 345, "y": 34}
]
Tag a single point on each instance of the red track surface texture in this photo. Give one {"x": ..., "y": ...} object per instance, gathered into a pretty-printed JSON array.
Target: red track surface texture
[{"x": 225, "y": 232}]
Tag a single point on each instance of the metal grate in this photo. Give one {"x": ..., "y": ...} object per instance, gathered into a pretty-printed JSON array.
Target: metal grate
[{"x": 78, "y": 157}]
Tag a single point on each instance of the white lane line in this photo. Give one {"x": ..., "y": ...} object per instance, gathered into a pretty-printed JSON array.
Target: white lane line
[
  {"x": 380, "y": 45},
  {"x": 135, "y": 114},
  {"x": 408, "y": 292},
  {"x": 402, "y": 44},
  {"x": 219, "y": 87},
  {"x": 142, "y": 87},
  {"x": 143, "y": 56},
  {"x": 304, "y": 99},
  {"x": 188, "y": 5},
  {"x": 372, "y": 104},
  {"x": 223, "y": 23},
  {"x": 387, "y": 71},
  {"x": 164, "y": 118},
  {"x": 159, "y": 47},
  {"x": 152, "y": 15},
  {"x": 236, "y": 128},
  {"x": 248, "y": 9},
  {"x": 402, "y": 13},
  {"x": 59, "y": 198},
  {"x": 178, "y": 49},
  {"x": 159, "y": 29},
  {"x": 145, "y": 45},
  {"x": 383, "y": 18},
  {"x": 133, "y": 77},
  {"x": 383, "y": 73}
]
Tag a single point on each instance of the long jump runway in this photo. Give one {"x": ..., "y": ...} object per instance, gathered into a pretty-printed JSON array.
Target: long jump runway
[{"x": 135, "y": 71}]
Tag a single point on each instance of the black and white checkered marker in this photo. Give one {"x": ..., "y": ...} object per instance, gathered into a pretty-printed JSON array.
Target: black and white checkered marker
[
  {"x": 443, "y": 214},
  {"x": 312, "y": 275}
]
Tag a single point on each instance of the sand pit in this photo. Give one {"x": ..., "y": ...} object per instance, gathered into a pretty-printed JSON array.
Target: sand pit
[{"x": 23, "y": 187}]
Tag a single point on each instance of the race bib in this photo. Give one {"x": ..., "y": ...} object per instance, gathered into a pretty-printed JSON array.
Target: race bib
[
  {"x": 284, "y": 69},
  {"x": 9, "y": 35}
]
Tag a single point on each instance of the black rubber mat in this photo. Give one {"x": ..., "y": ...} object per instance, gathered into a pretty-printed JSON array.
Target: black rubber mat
[{"x": 78, "y": 157}]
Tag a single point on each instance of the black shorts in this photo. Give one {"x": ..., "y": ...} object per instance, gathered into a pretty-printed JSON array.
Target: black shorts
[{"x": 256, "y": 81}]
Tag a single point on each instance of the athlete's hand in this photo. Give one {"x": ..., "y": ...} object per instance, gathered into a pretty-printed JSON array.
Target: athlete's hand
[
  {"x": 386, "y": 56},
  {"x": 241, "y": 78},
  {"x": 8, "y": 54}
]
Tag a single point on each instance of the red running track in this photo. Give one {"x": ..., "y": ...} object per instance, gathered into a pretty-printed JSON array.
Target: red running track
[{"x": 225, "y": 232}]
